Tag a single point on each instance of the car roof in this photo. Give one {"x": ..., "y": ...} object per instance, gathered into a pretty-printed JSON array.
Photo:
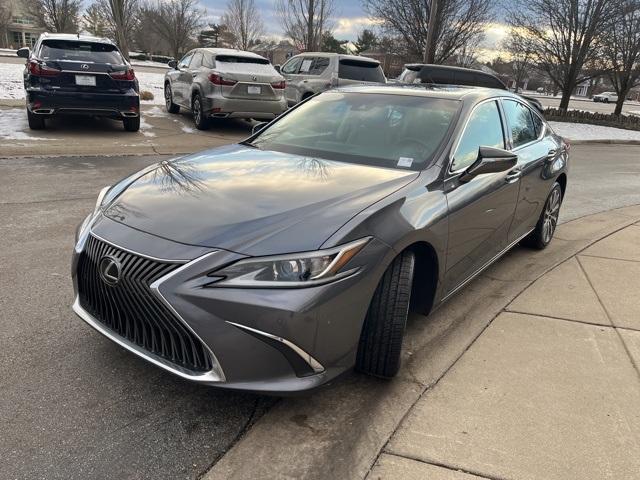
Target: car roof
[
  {"x": 452, "y": 92},
  {"x": 339, "y": 55},
  {"x": 73, "y": 37},
  {"x": 232, "y": 51}
]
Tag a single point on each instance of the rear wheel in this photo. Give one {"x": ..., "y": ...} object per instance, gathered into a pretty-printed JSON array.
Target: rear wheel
[
  {"x": 379, "y": 352},
  {"x": 546, "y": 226},
  {"x": 36, "y": 122},
  {"x": 168, "y": 100},
  {"x": 199, "y": 118},
  {"x": 131, "y": 124}
]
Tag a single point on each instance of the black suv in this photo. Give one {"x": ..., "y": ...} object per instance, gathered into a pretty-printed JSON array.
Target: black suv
[
  {"x": 416, "y": 73},
  {"x": 79, "y": 75}
]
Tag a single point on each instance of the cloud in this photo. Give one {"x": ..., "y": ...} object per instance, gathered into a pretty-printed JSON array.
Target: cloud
[{"x": 348, "y": 28}]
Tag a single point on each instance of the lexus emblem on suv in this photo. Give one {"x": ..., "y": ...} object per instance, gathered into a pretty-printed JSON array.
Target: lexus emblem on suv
[
  {"x": 254, "y": 78},
  {"x": 109, "y": 269},
  {"x": 84, "y": 66}
]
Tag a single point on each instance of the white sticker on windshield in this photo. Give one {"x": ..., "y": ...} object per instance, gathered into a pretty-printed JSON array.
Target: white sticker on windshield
[{"x": 405, "y": 161}]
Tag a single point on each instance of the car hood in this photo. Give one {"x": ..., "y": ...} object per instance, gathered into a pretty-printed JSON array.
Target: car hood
[{"x": 251, "y": 201}]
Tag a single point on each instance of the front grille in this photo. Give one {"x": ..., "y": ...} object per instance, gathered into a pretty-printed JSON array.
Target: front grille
[{"x": 131, "y": 309}]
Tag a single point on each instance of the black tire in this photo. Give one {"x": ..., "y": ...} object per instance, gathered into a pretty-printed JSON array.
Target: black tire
[
  {"x": 168, "y": 100},
  {"x": 131, "y": 124},
  {"x": 379, "y": 352},
  {"x": 548, "y": 221},
  {"x": 200, "y": 120},
  {"x": 36, "y": 122}
]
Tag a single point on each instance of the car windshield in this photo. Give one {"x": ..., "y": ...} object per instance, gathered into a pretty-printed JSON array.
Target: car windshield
[
  {"x": 78, "y": 51},
  {"x": 395, "y": 131}
]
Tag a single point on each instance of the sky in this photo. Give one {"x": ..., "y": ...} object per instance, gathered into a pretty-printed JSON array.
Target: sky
[{"x": 349, "y": 20}]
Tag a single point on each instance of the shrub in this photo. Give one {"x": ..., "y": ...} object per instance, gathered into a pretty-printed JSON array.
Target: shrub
[
  {"x": 628, "y": 122},
  {"x": 146, "y": 95}
]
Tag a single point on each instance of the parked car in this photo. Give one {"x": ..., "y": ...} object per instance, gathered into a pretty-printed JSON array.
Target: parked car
[
  {"x": 312, "y": 72},
  {"x": 279, "y": 263},
  {"x": 79, "y": 75},
  {"x": 224, "y": 83},
  {"x": 416, "y": 73},
  {"x": 606, "y": 97}
]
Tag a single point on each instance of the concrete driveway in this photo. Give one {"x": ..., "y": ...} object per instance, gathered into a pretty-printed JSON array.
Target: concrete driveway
[{"x": 74, "y": 405}]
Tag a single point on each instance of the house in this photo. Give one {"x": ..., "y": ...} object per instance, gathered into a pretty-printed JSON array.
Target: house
[
  {"x": 22, "y": 30},
  {"x": 391, "y": 63},
  {"x": 277, "y": 53}
]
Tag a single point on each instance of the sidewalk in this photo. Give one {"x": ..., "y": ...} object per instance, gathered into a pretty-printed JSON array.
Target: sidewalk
[{"x": 550, "y": 390}]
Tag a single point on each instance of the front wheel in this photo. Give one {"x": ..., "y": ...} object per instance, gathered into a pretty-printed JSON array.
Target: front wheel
[
  {"x": 168, "y": 100},
  {"x": 548, "y": 221},
  {"x": 380, "y": 348}
]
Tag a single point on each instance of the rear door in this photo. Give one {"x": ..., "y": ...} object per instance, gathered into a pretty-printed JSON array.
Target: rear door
[
  {"x": 80, "y": 66},
  {"x": 536, "y": 149},
  {"x": 480, "y": 210},
  {"x": 352, "y": 71}
]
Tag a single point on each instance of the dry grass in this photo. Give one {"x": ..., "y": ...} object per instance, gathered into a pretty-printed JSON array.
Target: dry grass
[{"x": 146, "y": 95}]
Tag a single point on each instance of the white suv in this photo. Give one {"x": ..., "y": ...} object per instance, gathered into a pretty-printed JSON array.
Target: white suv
[{"x": 606, "y": 97}]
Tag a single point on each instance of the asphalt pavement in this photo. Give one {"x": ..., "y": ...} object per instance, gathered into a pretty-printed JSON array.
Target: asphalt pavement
[{"x": 73, "y": 404}]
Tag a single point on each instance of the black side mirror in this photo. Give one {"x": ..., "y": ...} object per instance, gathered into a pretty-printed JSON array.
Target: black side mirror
[
  {"x": 490, "y": 160},
  {"x": 257, "y": 127},
  {"x": 172, "y": 64},
  {"x": 23, "y": 52},
  {"x": 277, "y": 67}
]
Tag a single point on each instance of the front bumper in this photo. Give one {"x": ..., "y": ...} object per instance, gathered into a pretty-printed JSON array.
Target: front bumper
[
  {"x": 53, "y": 102},
  {"x": 263, "y": 340}
]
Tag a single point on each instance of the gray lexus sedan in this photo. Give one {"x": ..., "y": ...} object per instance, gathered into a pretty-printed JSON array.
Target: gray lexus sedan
[{"x": 277, "y": 264}]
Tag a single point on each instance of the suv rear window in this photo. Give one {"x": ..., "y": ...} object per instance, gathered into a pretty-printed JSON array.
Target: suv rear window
[
  {"x": 78, "y": 51},
  {"x": 238, "y": 59},
  {"x": 361, "y": 71}
]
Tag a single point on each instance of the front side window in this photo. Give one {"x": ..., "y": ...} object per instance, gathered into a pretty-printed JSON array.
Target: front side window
[
  {"x": 319, "y": 65},
  {"x": 292, "y": 66},
  {"x": 394, "y": 131},
  {"x": 186, "y": 60},
  {"x": 484, "y": 129},
  {"x": 520, "y": 122},
  {"x": 78, "y": 51},
  {"x": 196, "y": 62}
]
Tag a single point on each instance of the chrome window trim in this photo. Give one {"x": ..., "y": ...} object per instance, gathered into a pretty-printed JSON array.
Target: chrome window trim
[
  {"x": 308, "y": 359},
  {"x": 464, "y": 128}
]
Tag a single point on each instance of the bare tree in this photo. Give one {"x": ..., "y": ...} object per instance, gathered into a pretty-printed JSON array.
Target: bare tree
[
  {"x": 94, "y": 21},
  {"x": 59, "y": 16},
  {"x": 118, "y": 19},
  {"x": 306, "y": 21},
  {"x": 521, "y": 56},
  {"x": 622, "y": 49},
  {"x": 176, "y": 22},
  {"x": 458, "y": 23},
  {"x": 565, "y": 36},
  {"x": 244, "y": 21}
]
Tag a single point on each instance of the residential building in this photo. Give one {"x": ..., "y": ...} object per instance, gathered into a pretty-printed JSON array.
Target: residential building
[
  {"x": 23, "y": 30},
  {"x": 277, "y": 53}
]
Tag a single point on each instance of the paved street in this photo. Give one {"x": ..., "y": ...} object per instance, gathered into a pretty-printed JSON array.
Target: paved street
[
  {"x": 74, "y": 405},
  {"x": 589, "y": 105}
]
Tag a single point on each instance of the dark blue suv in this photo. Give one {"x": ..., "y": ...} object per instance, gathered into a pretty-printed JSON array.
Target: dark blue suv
[{"x": 79, "y": 75}]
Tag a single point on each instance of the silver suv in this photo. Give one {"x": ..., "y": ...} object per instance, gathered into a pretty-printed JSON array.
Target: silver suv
[
  {"x": 224, "y": 83},
  {"x": 313, "y": 72}
]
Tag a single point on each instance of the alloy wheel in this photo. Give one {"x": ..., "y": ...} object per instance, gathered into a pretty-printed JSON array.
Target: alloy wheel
[
  {"x": 551, "y": 214},
  {"x": 167, "y": 96},
  {"x": 197, "y": 111}
]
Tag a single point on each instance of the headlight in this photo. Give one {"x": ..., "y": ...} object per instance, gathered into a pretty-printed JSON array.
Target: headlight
[{"x": 290, "y": 271}]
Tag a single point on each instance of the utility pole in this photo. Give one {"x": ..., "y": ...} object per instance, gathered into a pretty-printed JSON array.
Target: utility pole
[{"x": 429, "y": 48}]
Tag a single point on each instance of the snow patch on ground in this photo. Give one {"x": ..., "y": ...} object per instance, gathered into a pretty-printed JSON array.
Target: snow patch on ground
[
  {"x": 186, "y": 129},
  {"x": 12, "y": 83},
  {"x": 583, "y": 131},
  {"x": 156, "y": 112},
  {"x": 14, "y": 126},
  {"x": 146, "y": 128}
]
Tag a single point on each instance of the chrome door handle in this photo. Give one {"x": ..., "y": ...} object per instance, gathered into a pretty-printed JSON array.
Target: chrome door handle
[
  {"x": 513, "y": 176},
  {"x": 552, "y": 154},
  {"x": 194, "y": 74}
]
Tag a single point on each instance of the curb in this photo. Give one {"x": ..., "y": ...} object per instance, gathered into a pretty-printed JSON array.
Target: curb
[{"x": 338, "y": 432}]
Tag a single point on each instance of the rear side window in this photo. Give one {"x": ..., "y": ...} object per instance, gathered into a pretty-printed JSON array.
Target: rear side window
[
  {"x": 361, "y": 71},
  {"x": 241, "y": 59},
  {"x": 539, "y": 124},
  {"x": 484, "y": 129},
  {"x": 90, "y": 52},
  {"x": 520, "y": 122}
]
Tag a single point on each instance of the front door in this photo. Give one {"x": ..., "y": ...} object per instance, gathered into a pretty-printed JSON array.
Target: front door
[
  {"x": 182, "y": 81},
  {"x": 480, "y": 210}
]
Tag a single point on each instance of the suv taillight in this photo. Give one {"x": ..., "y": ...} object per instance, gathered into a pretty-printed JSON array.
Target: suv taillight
[
  {"x": 40, "y": 70},
  {"x": 279, "y": 85},
  {"x": 219, "y": 80},
  {"x": 123, "y": 75}
]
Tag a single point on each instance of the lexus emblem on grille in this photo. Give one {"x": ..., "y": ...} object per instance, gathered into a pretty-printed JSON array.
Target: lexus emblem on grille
[
  {"x": 254, "y": 78},
  {"x": 109, "y": 268},
  {"x": 84, "y": 66}
]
